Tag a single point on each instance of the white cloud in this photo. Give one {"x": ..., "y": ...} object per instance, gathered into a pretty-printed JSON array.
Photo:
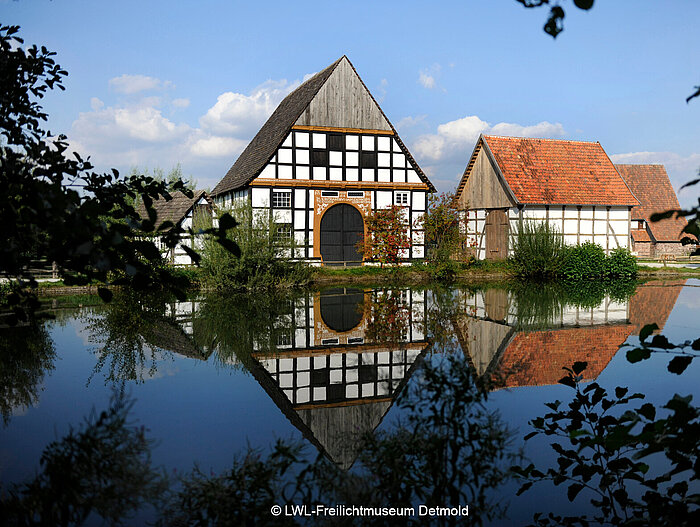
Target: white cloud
[
  {"x": 454, "y": 140},
  {"x": 428, "y": 77},
  {"x": 180, "y": 103},
  {"x": 130, "y": 84},
  {"x": 410, "y": 121},
  {"x": 426, "y": 80},
  {"x": 115, "y": 125},
  {"x": 241, "y": 115},
  {"x": 141, "y": 131},
  {"x": 216, "y": 146}
]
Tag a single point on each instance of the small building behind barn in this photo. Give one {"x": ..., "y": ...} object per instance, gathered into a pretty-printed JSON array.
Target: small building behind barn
[
  {"x": 572, "y": 185},
  {"x": 652, "y": 187},
  {"x": 181, "y": 211},
  {"x": 326, "y": 158}
]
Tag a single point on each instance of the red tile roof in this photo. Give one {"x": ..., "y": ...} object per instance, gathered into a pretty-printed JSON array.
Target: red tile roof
[
  {"x": 536, "y": 358},
  {"x": 640, "y": 235},
  {"x": 653, "y": 302},
  {"x": 652, "y": 187},
  {"x": 550, "y": 171}
]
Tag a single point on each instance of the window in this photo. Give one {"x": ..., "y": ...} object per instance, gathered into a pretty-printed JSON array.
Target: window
[
  {"x": 336, "y": 142},
  {"x": 329, "y": 193},
  {"x": 283, "y": 232},
  {"x": 355, "y": 194},
  {"x": 401, "y": 198},
  {"x": 368, "y": 160},
  {"x": 282, "y": 200},
  {"x": 284, "y": 339},
  {"x": 319, "y": 158}
]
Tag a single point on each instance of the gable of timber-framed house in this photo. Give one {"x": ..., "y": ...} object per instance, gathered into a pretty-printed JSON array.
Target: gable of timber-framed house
[
  {"x": 326, "y": 158},
  {"x": 572, "y": 185}
]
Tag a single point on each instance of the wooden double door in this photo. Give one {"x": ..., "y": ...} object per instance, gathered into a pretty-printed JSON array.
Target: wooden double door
[
  {"x": 496, "y": 233},
  {"x": 342, "y": 227}
]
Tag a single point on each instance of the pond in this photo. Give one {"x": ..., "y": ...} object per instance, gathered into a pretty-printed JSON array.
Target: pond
[{"x": 396, "y": 396}]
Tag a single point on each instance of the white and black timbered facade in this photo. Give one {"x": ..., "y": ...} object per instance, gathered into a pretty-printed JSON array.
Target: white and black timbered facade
[{"x": 327, "y": 157}]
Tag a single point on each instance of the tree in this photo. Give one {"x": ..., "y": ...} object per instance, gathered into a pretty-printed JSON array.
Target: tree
[
  {"x": 171, "y": 178},
  {"x": 387, "y": 236},
  {"x": 59, "y": 209},
  {"x": 441, "y": 224}
]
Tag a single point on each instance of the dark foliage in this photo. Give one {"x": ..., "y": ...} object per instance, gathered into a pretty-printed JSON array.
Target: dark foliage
[
  {"x": 59, "y": 209},
  {"x": 604, "y": 443},
  {"x": 103, "y": 467}
]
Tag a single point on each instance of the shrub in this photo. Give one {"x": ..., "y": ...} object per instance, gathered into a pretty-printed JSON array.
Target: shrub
[
  {"x": 265, "y": 258},
  {"x": 620, "y": 264},
  {"x": 387, "y": 236},
  {"x": 441, "y": 224},
  {"x": 585, "y": 261},
  {"x": 538, "y": 251}
]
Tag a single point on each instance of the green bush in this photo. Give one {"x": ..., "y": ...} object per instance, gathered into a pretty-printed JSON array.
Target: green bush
[
  {"x": 538, "y": 251},
  {"x": 584, "y": 262},
  {"x": 265, "y": 259},
  {"x": 620, "y": 264}
]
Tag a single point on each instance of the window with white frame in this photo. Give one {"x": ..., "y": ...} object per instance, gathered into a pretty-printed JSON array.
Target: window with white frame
[
  {"x": 401, "y": 198},
  {"x": 282, "y": 199},
  {"x": 283, "y": 232}
]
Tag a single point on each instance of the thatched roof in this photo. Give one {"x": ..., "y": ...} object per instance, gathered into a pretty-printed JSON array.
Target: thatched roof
[{"x": 173, "y": 210}]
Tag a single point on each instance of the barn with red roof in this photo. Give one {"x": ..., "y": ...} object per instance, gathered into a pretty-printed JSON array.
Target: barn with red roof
[
  {"x": 573, "y": 185},
  {"x": 651, "y": 185}
]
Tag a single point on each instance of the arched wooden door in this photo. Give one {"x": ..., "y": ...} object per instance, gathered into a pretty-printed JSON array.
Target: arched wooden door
[
  {"x": 342, "y": 309},
  {"x": 341, "y": 228},
  {"x": 496, "y": 232}
]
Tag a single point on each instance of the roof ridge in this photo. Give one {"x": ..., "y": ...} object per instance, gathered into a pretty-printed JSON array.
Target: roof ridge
[{"x": 542, "y": 139}]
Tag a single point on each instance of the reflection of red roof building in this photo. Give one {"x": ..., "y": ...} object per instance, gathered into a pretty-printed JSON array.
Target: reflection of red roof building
[
  {"x": 653, "y": 302},
  {"x": 507, "y": 357},
  {"x": 536, "y": 358}
]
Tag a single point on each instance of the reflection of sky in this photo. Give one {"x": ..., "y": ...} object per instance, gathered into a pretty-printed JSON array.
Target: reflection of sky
[
  {"x": 206, "y": 414},
  {"x": 650, "y": 377}
]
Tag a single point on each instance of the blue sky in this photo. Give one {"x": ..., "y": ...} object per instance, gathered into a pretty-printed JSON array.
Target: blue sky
[{"x": 154, "y": 83}]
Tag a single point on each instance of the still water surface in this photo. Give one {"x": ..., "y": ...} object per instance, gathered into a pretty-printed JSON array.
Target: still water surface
[{"x": 216, "y": 375}]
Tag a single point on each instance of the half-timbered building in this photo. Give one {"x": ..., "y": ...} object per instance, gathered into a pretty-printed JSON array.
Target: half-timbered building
[
  {"x": 183, "y": 212},
  {"x": 653, "y": 189},
  {"x": 572, "y": 185},
  {"x": 324, "y": 159}
]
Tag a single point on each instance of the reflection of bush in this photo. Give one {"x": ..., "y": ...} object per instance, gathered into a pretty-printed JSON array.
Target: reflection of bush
[
  {"x": 26, "y": 355},
  {"x": 449, "y": 450},
  {"x": 103, "y": 467},
  {"x": 387, "y": 315},
  {"x": 128, "y": 333},
  {"x": 235, "y": 325},
  {"x": 540, "y": 305}
]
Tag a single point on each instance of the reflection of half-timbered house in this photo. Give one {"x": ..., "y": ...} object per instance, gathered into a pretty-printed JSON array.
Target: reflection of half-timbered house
[
  {"x": 325, "y": 158},
  {"x": 506, "y": 354},
  {"x": 330, "y": 382},
  {"x": 572, "y": 185}
]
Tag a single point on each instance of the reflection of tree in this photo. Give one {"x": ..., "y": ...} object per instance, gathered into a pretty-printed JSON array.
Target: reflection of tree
[
  {"x": 125, "y": 333},
  {"x": 26, "y": 354},
  {"x": 387, "y": 316},
  {"x": 103, "y": 467},
  {"x": 235, "y": 325},
  {"x": 448, "y": 451}
]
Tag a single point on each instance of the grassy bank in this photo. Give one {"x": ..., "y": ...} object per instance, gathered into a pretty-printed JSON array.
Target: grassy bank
[{"x": 416, "y": 274}]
